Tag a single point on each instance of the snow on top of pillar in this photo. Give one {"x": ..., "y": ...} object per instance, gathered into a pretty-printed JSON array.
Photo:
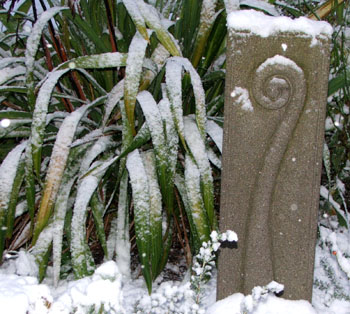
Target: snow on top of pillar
[{"x": 263, "y": 25}]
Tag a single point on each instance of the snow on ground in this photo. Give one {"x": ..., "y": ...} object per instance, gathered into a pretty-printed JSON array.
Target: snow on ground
[{"x": 109, "y": 291}]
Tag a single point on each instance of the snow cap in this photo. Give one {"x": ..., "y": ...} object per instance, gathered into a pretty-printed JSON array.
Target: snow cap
[{"x": 263, "y": 25}]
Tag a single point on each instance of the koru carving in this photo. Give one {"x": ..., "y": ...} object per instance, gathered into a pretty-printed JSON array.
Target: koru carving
[{"x": 277, "y": 83}]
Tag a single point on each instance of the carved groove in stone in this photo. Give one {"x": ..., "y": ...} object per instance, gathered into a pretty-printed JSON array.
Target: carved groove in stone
[{"x": 277, "y": 83}]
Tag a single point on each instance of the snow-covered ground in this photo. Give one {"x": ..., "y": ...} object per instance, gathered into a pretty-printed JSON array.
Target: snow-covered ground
[{"x": 106, "y": 291}]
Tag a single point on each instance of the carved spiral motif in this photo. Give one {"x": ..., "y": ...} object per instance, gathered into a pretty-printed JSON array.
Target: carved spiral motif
[{"x": 276, "y": 81}]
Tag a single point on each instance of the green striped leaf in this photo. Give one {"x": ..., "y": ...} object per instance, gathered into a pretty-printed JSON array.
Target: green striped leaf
[
  {"x": 33, "y": 42},
  {"x": 57, "y": 164},
  {"x": 136, "y": 17},
  {"x": 136, "y": 54},
  {"x": 198, "y": 151},
  {"x": 153, "y": 21},
  {"x": 140, "y": 192},
  {"x": 8, "y": 176}
]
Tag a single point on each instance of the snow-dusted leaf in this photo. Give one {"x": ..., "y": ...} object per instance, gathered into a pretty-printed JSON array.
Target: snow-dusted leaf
[
  {"x": 171, "y": 137},
  {"x": 193, "y": 189},
  {"x": 213, "y": 158},
  {"x": 7, "y": 74},
  {"x": 82, "y": 261},
  {"x": 12, "y": 205},
  {"x": 173, "y": 75},
  {"x": 39, "y": 116},
  {"x": 154, "y": 121},
  {"x": 142, "y": 137},
  {"x": 8, "y": 171},
  {"x": 114, "y": 96},
  {"x": 6, "y": 62},
  {"x": 98, "y": 211},
  {"x": 327, "y": 161},
  {"x": 136, "y": 16},
  {"x": 197, "y": 148},
  {"x": 61, "y": 206},
  {"x": 100, "y": 61},
  {"x": 33, "y": 42},
  {"x": 327, "y": 196},
  {"x": 155, "y": 213},
  {"x": 343, "y": 259},
  {"x": 164, "y": 154},
  {"x": 159, "y": 56},
  {"x": 14, "y": 124},
  {"x": 199, "y": 95},
  {"x": 136, "y": 54},
  {"x": 153, "y": 21},
  {"x": 57, "y": 164},
  {"x": 173, "y": 80},
  {"x": 181, "y": 187},
  {"x": 231, "y": 5},
  {"x": 119, "y": 235},
  {"x": 207, "y": 18},
  {"x": 101, "y": 145},
  {"x": 140, "y": 192},
  {"x": 41, "y": 249},
  {"x": 216, "y": 133},
  {"x": 93, "y": 82},
  {"x": 260, "y": 5}
]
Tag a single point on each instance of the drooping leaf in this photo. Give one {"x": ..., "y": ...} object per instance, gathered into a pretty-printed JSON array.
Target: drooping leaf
[
  {"x": 153, "y": 21},
  {"x": 198, "y": 211},
  {"x": 33, "y": 42},
  {"x": 198, "y": 151},
  {"x": 58, "y": 163},
  {"x": 8, "y": 171},
  {"x": 137, "y": 17},
  {"x": 140, "y": 192},
  {"x": 136, "y": 54}
]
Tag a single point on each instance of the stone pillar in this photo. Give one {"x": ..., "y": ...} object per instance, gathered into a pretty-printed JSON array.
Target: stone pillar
[{"x": 275, "y": 103}]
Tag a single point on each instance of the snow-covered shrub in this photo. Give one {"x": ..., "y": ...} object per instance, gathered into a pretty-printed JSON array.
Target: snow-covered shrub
[
  {"x": 170, "y": 298},
  {"x": 333, "y": 264},
  {"x": 259, "y": 294},
  {"x": 204, "y": 261}
]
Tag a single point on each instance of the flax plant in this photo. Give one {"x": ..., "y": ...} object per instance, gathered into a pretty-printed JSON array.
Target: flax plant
[{"x": 105, "y": 110}]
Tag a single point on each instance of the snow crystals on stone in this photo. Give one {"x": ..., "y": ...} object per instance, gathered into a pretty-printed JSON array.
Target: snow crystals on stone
[
  {"x": 278, "y": 59},
  {"x": 242, "y": 96},
  {"x": 263, "y": 25}
]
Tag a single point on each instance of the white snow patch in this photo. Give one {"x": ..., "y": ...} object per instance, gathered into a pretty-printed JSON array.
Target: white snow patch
[
  {"x": 242, "y": 96},
  {"x": 272, "y": 305},
  {"x": 263, "y": 25},
  {"x": 278, "y": 59}
]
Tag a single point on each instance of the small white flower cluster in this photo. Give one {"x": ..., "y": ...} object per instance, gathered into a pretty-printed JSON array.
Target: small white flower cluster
[
  {"x": 251, "y": 302},
  {"x": 169, "y": 298},
  {"x": 204, "y": 261}
]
